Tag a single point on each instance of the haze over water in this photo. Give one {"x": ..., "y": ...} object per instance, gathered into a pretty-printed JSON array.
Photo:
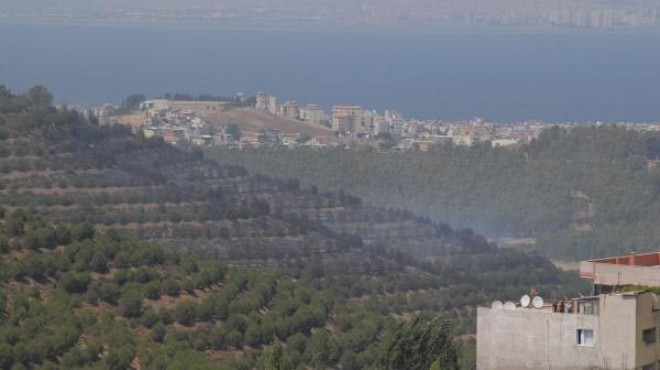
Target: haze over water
[{"x": 501, "y": 77}]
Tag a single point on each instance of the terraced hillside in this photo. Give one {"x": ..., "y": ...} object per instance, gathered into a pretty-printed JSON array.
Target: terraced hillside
[
  {"x": 85, "y": 300},
  {"x": 108, "y": 177},
  {"x": 70, "y": 170},
  {"x": 63, "y": 168}
]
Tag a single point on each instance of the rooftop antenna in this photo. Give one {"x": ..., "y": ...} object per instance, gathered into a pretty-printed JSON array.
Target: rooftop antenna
[{"x": 537, "y": 302}]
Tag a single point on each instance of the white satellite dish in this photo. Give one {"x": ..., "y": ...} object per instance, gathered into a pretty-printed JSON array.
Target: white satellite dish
[
  {"x": 537, "y": 302},
  {"x": 509, "y": 306},
  {"x": 497, "y": 305},
  {"x": 525, "y": 301}
]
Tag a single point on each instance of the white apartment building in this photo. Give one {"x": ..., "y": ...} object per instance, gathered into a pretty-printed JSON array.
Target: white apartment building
[
  {"x": 312, "y": 113},
  {"x": 290, "y": 110},
  {"x": 345, "y": 118},
  {"x": 266, "y": 103}
]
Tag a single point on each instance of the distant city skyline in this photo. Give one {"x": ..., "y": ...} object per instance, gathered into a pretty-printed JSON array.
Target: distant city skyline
[{"x": 548, "y": 14}]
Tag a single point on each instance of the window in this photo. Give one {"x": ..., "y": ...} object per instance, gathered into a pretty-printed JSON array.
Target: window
[
  {"x": 588, "y": 307},
  {"x": 649, "y": 336},
  {"x": 649, "y": 367},
  {"x": 585, "y": 337}
]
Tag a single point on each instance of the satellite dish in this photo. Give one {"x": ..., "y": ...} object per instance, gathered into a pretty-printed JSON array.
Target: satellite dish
[
  {"x": 509, "y": 306},
  {"x": 537, "y": 302},
  {"x": 525, "y": 301},
  {"x": 497, "y": 305}
]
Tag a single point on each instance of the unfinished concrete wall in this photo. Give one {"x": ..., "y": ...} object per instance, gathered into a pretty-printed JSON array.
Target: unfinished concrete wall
[
  {"x": 617, "y": 275},
  {"x": 618, "y": 335},
  {"x": 647, "y": 318}
]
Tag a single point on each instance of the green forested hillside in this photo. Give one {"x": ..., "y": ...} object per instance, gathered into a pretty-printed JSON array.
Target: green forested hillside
[
  {"x": 583, "y": 192},
  {"x": 74, "y": 298},
  {"x": 118, "y": 251},
  {"x": 71, "y": 297},
  {"x": 109, "y": 302}
]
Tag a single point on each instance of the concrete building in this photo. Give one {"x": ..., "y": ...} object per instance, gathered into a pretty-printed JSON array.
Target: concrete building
[
  {"x": 290, "y": 110},
  {"x": 312, "y": 113},
  {"x": 633, "y": 269},
  {"x": 157, "y": 104},
  {"x": 422, "y": 145},
  {"x": 396, "y": 123},
  {"x": 345, "y": 118},
  {"x": 380, "y": 125},
  {"x": 104, "y": 112},
  {"x": 352, "y": 119},
  {"x": 366, "y": 125},
  {"x": 613, "y": 329},
  {"x": 266, "y": 103},
  {"x": 270, "y": 136}
]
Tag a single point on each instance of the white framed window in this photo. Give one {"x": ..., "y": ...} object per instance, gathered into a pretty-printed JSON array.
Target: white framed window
[{"x": 585, "y": 337}]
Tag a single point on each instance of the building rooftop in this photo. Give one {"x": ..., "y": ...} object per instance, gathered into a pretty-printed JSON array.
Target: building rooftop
[
  {"x": 634, "y": 259},
  {"x": 631, "y": 269}
]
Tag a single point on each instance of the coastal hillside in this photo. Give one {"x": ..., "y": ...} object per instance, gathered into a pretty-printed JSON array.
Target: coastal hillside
[
  {"x": 249, "y": 120},
  {"x": 252, "y": 120}
]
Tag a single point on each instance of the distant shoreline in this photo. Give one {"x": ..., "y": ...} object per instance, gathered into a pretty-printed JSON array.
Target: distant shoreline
[{"x": 330, "y": 28}]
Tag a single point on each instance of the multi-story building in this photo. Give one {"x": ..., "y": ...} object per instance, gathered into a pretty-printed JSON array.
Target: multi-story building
[
  {"x": 290, "y": 110},
  {"x": 266, "y": 102},
  {"x": 346, "y": 118},
  {"x": 396, "y": 122},
  {"x": 366, "y": 125},
  {"x": 270, "y": 136},
  {"x": 380, "y": 125},
  {"x": 312, "y": 113},
  {"x": 397, "y": 127},
  {"x": 616, "y": 328}
]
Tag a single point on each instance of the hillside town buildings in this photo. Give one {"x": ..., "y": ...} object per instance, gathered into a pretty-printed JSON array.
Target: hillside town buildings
[
  {"x": 617, "y": 327},
  {"x": 176, "y": 125},
  {"x": 353, "y": 126}
]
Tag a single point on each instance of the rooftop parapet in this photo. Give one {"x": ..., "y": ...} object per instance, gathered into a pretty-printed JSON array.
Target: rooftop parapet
[{"x": 633, "y": 269}]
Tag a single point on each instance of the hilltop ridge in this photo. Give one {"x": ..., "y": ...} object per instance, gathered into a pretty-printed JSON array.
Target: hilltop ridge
[{"x": 249, "y": 120}]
